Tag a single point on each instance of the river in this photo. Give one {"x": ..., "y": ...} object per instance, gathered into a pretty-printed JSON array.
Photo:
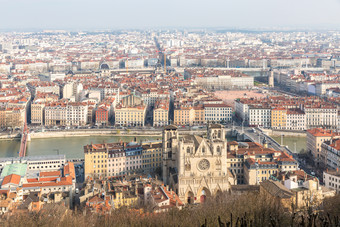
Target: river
[
  {"x": 292, "y": 141},
  {"x": 72, "y": 147}
]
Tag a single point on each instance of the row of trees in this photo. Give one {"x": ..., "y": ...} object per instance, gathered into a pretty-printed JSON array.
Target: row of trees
[{"x": 226, "y": 210}]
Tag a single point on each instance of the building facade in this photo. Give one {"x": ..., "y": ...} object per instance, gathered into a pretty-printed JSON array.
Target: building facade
[{"x": 194, "y": 166}]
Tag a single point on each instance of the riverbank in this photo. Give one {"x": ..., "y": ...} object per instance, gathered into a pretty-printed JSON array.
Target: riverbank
[
  {"x": 271, "y": 132},
  {"x": 60, "y": 134},
  {"x": 88, "y": 133},
  {"x": 10, "y": 137}
]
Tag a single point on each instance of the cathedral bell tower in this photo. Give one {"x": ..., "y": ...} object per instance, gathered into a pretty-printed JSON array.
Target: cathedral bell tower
[
  {"x": 216, "y": 132},
  {"x": 169, "y": 153}
]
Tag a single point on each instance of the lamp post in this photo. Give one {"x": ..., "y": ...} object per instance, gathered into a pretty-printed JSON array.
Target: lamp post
[{"x": 257, "y": 167}]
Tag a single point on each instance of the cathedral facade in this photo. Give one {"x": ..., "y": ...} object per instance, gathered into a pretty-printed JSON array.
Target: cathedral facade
[{"x": 194, "y": 166}]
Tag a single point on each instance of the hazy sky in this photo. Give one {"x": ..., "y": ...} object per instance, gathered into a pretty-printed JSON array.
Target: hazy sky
[{"x": 113, "y": 14}]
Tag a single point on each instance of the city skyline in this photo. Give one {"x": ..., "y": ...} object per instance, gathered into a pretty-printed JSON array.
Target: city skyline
[{"x": 132, "y": 14}]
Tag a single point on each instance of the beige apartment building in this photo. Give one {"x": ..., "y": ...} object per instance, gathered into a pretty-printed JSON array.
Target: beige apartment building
[
  {"x": 199, "y": 115},
  {"x": 55, "y": 114},
  {"x": 160, "y": 116},
  {"x": 250, "y": 163},
  {"x": 315, "y": 138},
  {"x": 184, "y": 116},
  {"x": 37, "y": 113},
  {"x": 130, "y": 116},
  {"x": 38, "y": 107},
  {"x": 152, "y": 156},
  {"x": 12, "y": 117},
  {"x": 95, "y": 159}
]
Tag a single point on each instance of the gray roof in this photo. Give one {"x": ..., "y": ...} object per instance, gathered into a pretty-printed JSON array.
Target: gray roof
[
  {"x": 276, "y": 189},
  {"x": 172, "y": 127}
]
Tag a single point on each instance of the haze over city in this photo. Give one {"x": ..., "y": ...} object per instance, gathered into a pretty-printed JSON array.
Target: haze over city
[
  {"x": 136, "y": 14},
  {"x": 176, "y": 113}
]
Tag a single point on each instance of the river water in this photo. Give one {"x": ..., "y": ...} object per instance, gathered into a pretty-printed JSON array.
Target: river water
[
  {"x": 295, "y": 144},
  {"x": 73, "y": 147}
]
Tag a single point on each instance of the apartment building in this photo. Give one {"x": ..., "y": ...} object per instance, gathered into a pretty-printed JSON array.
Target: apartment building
[
  {"x": 76, "y": 114},
  {"x": 217, "y": 113},
  {"x": 96, "y": 159},
  {"x": 55, "y": 114},
  {"x": 13, "y": 117},
  {"x": 113, "y": 159},
  {"x": 250, "y": 163},
  {"x": 321, "y": 116},
  {"x": 152, "y": 156},
  {"x": 259, "y": 116},
  {"x": 330, "y": 153},
  {"x": 44, "y": 87},
  {"x": 315, "y": 138},
  {"x": 38, "y": 107},
  {"x": 184, "y": 115},
  {"x": 116, "y": 160},
  {"x": 134, "y": 155},
  {"x": 279, "y": 118},
  {"x": 130, "y": 116},
  {"x": 296, "y": 120},
  {"x": 331, "y": 180},
  {"x": 199, "y": 115},
  {"x": 102, "y": 115},
  {"x": 161, "y": 113},
  {"x": 242, "y": 111}
]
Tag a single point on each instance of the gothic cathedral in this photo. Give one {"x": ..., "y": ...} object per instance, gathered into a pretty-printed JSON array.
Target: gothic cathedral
[{"x": 194, "y": 166}]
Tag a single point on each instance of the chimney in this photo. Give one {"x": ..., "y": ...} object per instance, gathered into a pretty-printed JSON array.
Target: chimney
[
  {"x": 283, "y": 177},
  {"x": 150, "y": 145}
]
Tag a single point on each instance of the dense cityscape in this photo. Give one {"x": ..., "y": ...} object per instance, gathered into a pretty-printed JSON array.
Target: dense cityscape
[{"x": 173, "y": 121}]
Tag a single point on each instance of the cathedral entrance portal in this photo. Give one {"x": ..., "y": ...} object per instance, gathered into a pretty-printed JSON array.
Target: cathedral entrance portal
[
  {"x": 190, "y": 198},
  {"x": 204, "y": 193}
]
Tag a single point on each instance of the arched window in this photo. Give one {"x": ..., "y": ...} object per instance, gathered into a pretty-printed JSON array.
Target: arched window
[
  {"x": 203, "y": 150},
  {"x": 188, "y": 150},
  {"x": 169, "y": 145},
  {"x": 219, "y": 134},
  {"x": 218, "y": 150},
  {"x": 169, "y": 135}
]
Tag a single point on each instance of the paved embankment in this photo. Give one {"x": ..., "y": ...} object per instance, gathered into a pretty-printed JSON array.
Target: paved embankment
[
  {"x": 83, "y": 133},
  {"x": 10, "y": 136}
]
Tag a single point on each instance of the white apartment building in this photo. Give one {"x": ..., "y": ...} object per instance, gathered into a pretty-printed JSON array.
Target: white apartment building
[
  {"x": 55, "y": 114},
  {"x": 48, "y": 89},
  {"x": 259, "y": 117},
  {"x": 76, "y": 114},
  {"x": 73, "y": 91},
  {"x": 150, "y": 98},
  {"x": 325, "y": 117},
  {"x": 331, "y": 180},
  {"x": 242, "y": 111},
  {"x": 242, "y": 81},
  {"x": 330, "y": 153},
  {"x": 217, "y": 112},
  {"x": 116, "y": 162},
  {"x": 296, "y": 120}
]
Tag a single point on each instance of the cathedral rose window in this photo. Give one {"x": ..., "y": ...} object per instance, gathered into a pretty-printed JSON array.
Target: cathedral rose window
[{"x": 204, "y": 164}]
